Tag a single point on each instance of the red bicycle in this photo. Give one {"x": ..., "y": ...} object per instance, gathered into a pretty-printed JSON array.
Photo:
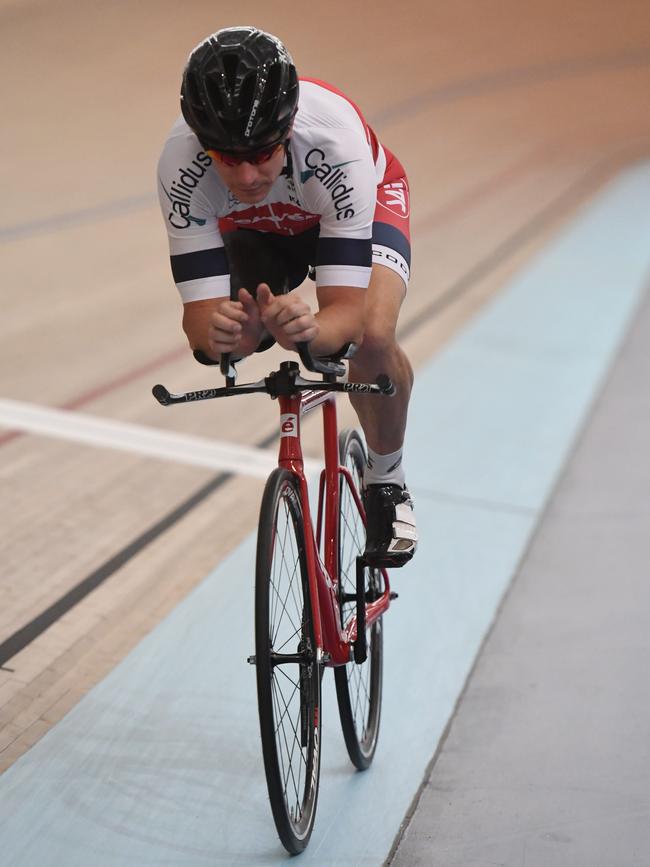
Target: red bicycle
[{"x": 317, "y": 603}]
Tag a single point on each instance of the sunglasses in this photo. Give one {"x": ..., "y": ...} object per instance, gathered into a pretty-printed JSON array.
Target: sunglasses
[{"x": 256, "y": 158}]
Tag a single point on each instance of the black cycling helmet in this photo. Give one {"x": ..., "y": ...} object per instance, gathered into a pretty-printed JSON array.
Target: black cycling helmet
[{"x": 240, "y": 90}]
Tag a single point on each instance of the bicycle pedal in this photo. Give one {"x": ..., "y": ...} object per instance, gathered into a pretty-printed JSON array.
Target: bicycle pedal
[{"x": 252, "y": 660}]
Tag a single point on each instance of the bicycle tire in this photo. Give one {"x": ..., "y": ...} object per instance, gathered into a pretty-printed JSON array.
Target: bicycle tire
[
  {"x": 358, "y": 687},
  {"x": 288, "y": 675}
]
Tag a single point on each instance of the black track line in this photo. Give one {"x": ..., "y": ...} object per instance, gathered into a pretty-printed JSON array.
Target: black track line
[
  {"x": 24, "y": 636},
  {"x": 540, "y": 221},
  {"x": 497, "y": 81}
]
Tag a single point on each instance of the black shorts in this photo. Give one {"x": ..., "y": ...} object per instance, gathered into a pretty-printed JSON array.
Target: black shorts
[{"x": 282, "y": 261}]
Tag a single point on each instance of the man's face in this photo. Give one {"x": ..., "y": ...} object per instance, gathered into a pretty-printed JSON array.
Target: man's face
[{"x": 249, "y": 182}]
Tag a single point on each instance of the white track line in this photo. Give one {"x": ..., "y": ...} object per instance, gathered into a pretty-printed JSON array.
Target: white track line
[{"x": 138, "y": 439}]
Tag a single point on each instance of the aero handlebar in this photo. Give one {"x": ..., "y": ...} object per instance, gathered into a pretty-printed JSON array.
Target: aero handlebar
[{"x": 287, "y": 380}]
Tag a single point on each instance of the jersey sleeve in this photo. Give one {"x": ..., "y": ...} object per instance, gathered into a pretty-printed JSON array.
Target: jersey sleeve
[
  {"x": 189, "y": 195},
  {"x": 339, "y": 182}
]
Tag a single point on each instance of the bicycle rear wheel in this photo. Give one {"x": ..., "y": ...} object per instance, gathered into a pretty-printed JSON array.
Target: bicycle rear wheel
[
  {"x": 288, "y": 675},
  {"x": 358, "y": 687}
]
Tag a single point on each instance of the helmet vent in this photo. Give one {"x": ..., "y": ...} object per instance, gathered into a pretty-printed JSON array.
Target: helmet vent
[
  {"x": 230, "y": 67},
  {"x": 247, "y": 92},
  {"x": 215, "y": 96},
  {"x": 274, "y": 82}
]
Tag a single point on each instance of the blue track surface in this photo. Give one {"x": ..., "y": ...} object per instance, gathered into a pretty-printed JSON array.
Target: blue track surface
[{"x": 160, "y": 763}]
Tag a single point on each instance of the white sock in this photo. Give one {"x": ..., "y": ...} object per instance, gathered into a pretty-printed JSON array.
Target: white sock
[{"x": 384, "y": 469}]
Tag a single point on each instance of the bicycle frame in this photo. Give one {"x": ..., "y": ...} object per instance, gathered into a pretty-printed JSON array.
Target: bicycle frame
[
  {"x": 334, "y": 643},
  {"x": 324, "y": 640},
  {"x": 296, "y": 396}
]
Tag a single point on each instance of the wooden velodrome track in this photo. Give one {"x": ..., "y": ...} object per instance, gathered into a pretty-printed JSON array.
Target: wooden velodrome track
[{"x": 507, "y": 117}]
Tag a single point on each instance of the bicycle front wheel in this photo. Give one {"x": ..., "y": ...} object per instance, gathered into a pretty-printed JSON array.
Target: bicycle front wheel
[
  {"x": 358, "y": 687},
  {"x": 288, "y": 671}
]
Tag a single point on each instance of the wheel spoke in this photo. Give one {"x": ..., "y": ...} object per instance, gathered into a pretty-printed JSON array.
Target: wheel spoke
[
  {"x": 289, "y": 739},
  {"x": 282, "y": 573},
  {"x": 287, "y": 674},
  {"x": 282, "y": 739}
]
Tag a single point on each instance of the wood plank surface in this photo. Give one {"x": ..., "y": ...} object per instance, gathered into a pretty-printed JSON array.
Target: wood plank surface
[{"x": 507, "y": 117}]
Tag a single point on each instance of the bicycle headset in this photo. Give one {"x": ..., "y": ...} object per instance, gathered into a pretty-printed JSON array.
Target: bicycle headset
[{"x": 239, "y": 90}]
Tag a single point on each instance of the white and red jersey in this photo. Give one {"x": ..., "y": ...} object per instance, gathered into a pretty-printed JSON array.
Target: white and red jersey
[{"x": 333, "y": 168}]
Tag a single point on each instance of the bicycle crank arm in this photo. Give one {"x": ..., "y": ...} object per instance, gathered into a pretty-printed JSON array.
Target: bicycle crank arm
[{"x": 290, "y": 657}]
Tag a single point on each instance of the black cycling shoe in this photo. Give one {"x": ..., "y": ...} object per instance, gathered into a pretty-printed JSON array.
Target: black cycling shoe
[{"x": 391, "y": 535}]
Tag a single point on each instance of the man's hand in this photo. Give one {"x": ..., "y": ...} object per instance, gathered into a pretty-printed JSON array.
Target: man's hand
[
  {"x": 286, "y": 317},
  {"x": 235, "y": 326},
  {"x": 219, "y": 325}
]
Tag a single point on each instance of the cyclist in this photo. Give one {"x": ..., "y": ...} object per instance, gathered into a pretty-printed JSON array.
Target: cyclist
[{"x": 263, "y": 180}]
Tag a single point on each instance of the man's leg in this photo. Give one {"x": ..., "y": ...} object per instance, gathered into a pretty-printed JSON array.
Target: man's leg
[{"x": 391, "y": 527}]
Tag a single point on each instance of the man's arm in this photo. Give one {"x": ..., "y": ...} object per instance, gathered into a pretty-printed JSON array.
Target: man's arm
[{"x": 339, "y": 318}]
